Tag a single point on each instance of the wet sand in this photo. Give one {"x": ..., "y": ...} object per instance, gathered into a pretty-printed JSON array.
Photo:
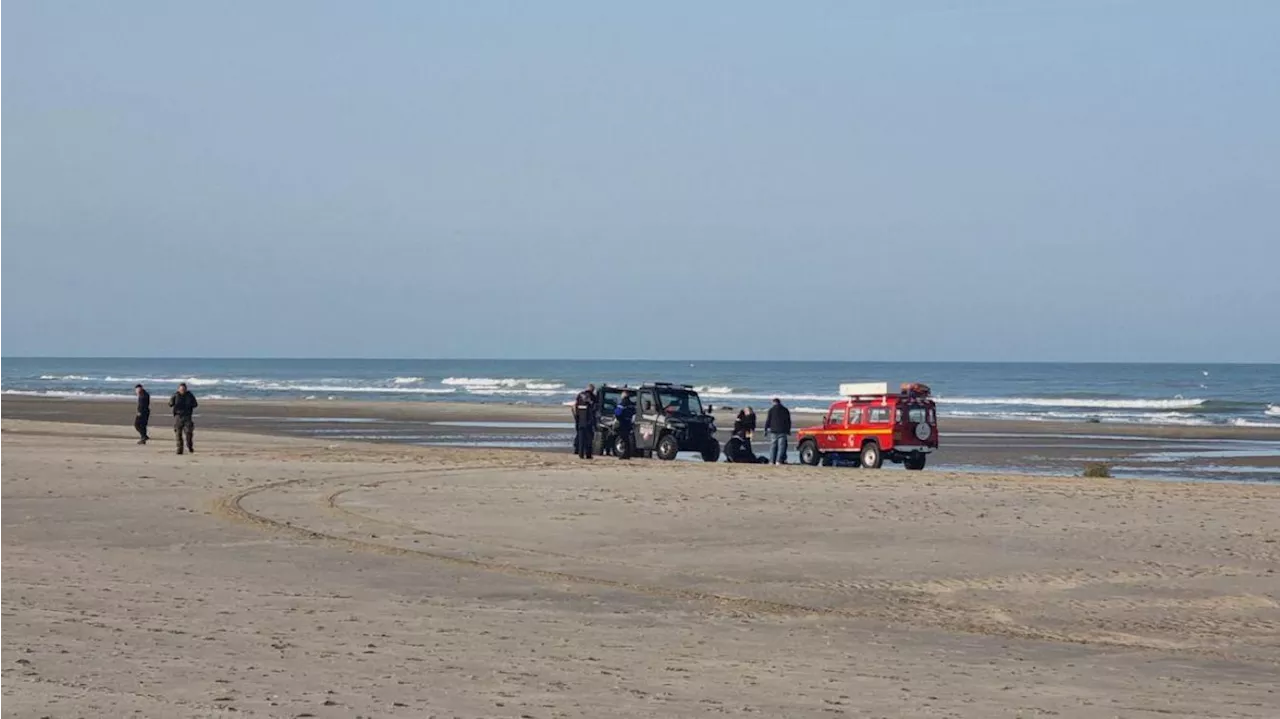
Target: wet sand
[
  {"x": 1158, "y": 452},
  {"x": 289, "y": 577}
]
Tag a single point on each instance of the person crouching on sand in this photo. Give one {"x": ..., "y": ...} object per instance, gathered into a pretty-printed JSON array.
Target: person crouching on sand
[
  {"x": 184, "y": 406},
  {"x": 745, "y": 425}
]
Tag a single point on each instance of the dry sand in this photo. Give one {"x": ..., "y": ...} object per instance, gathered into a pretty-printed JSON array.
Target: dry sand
[{"x": 278, "y": 577}]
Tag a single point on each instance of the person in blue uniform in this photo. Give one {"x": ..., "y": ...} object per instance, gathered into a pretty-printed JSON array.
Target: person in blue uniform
[{"x": 625, "y": 413}]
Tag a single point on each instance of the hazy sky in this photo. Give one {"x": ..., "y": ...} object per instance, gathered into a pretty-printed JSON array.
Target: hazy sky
[{"x": 1016, "y": 180}]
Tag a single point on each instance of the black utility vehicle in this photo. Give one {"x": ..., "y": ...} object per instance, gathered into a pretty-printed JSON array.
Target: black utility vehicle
[{"x": 669, "y": 419}]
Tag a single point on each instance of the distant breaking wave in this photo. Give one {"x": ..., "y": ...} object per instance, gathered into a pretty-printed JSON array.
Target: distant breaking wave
[{"x": 1176, "y": 403}]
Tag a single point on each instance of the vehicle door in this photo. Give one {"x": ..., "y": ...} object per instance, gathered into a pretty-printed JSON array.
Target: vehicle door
[
  {"x": 647, "y": 413},
  {"x": 851, "y": 439},
  {"x": 832, "y": 437},
  {"x": 877, "y": 421},
  {"x": 609, "y": 397}
]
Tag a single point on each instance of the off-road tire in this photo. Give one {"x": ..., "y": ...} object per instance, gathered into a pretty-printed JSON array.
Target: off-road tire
[
  {"x": 622, "y": 446},
  {"x": 711, "y": 452},
  {"x": 915, "y": 461},
  {"x": 809, "y": 453},
  {"x": 668, "y": 447},
  {"x": 871, "y": 457}
]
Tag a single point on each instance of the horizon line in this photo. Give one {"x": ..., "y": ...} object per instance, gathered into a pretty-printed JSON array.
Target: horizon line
[{"x": 631, "y": 359}]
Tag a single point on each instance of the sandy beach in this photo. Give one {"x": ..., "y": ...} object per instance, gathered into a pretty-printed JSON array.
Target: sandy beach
[{"x": 289, "y": 577}]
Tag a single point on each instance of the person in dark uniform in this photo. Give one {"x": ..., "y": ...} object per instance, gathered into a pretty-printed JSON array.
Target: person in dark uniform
[
  {"x": 184, "y": 406},
  {"x": 625, "y": 413},
  {"x": 584, "y": 419},
  {"x": 144, "y": 413}
]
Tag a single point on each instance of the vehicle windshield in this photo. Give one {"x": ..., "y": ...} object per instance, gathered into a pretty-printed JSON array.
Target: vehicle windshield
[{"x": 677, "y": 402}]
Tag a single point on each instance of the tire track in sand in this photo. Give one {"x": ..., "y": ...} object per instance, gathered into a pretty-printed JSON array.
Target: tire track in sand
[{"x": 908, "y": 605}]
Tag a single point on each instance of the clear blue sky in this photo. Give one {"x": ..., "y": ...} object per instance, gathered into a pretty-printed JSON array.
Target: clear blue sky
[{"x": 1015, "y": 180}]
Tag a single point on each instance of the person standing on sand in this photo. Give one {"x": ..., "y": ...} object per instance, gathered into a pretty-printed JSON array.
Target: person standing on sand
[
  {"x": 144, "y": 413},
  {"x": 584, "y": 420},
  {"x": 184, "y": 406},
  {"x": 777, "y": 424}
]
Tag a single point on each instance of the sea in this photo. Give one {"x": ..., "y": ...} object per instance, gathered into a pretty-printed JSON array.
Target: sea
[{"x": 1241, "y": 395}]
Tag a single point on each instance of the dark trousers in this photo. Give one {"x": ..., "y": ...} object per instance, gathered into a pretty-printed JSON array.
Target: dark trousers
[
  {"x": 140, "y": 424},
  {"x": 586, "y": 435},
  {"x": 184, "y": 426}
]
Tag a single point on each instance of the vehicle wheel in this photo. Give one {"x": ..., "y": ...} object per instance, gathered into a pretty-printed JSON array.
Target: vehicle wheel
[
  {"x": 622, "y": 446},
  {"x": 809, "y": 453},
  {"x": 915, "y": 460},
  {"x": 668, "y": 447},
  {"x": 711, "y": 452},
  {"x": 870, "y": 458}
]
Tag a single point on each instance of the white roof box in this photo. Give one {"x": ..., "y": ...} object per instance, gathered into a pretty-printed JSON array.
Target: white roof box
[{"x": 861, "y": 389}]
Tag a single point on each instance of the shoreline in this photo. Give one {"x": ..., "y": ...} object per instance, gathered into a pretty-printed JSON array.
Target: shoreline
[
  {"x": 91, "y": 411},
  {"x": 969, "y": 445}
]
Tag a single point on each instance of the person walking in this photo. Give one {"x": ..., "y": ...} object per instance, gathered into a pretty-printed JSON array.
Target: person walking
[
  {"x": 584, "y": 419},
  {"x": 777, "y": 425},
  {"x": 184, "y": 406},
  {"x": 143, "y": 416}
]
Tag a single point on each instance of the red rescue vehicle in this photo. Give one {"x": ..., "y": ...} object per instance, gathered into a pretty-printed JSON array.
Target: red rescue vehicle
[{"x": 871, "y": 425}]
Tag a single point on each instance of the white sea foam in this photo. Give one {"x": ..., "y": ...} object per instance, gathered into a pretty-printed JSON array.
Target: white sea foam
[
  {"x": 714, "y": 391},
  {"x": 508, "y": 392},
  {"x": 1242, "y": 422},
  {"x": 1175, "y": 403},
  {"x": 545, "y": 385},
  {"x": 72, "y": 394},
  {"x": 66, "y": 395},
  {"x": 1273, "y": 410},
  {"x": 485, "y": 382},
  {"x": 190, "y": 381},
  {"x": 767, "y": 397},
  {"x": 352, "y": 389},
  {"x": 406, "y": 380},
  {"x": 66, "y": 377},
  {"x": 1174, "y": 418}
]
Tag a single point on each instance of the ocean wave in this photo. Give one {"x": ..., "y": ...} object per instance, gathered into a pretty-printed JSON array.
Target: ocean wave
[
  {"x": 508, "y": 392},
  {"x": 1273, "y": 410},
  {"x": 351, "y": 389},
  {"x": 406, "y": 380},
  {"x": 1169, "y": 418},
  {"x": 1242, "y": 422},
  {"x": 767, "y": 397},
  {"x": 66, "y": 377},
  {"x": 716, "y": 391},
  {"x": 1175, "y": 403},
  {"x": 69, "y": 394},
  {"x": 486, "y": 381},
  {"x": 190, "y": 381},
  {"x": 74, "y": 394},
  {"x": 545, "y": 385}
]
